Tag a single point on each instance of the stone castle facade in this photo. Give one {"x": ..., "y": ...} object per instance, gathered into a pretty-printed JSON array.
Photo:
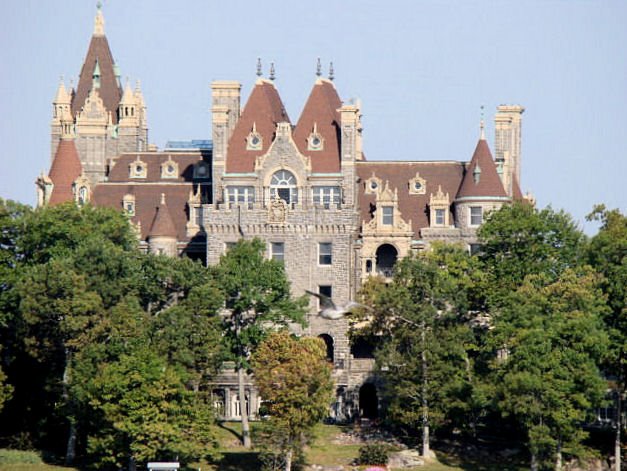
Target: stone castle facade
[{"x": 330, "y": 215}]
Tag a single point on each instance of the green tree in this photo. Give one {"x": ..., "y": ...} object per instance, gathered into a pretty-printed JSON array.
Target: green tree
[
  {"x": 520, "y": 240},
  {"x": 294, "y": 377},
  {"x": 257, "y": 299},
  {"x": 607, "y": 253},
  {"x": 423, "y": 342},
  {"x": 550, "y": 340}
]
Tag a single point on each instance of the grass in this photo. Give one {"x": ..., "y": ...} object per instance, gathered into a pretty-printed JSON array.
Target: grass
[{"x": 18, "y": 460}]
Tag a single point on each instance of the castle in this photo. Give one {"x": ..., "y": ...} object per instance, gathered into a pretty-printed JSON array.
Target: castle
[{"x": 330, "y": 215}]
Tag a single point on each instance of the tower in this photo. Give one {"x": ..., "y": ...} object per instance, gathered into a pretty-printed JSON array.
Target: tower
[
  {"x": 101, "y": 129},
  {"x": 507, "y": 128}
]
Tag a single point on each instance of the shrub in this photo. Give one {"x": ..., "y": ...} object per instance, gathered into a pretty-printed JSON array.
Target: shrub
[
  {"x": 19, "y": 457},
  {"x": 373, "y": 453}
]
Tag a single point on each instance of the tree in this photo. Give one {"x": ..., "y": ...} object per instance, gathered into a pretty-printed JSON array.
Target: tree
[
  {"x": 552, "y": 339},
  {"x": 607, "y": 253},
  {"x": 422, "y": 355},
  {"x": 294, "y": 377},
  {"x": 520, "y": 240},
  {"x": 257, "y": 298}
]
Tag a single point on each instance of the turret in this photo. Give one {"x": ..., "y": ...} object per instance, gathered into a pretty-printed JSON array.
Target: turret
[{"x": 162, "y": 234}]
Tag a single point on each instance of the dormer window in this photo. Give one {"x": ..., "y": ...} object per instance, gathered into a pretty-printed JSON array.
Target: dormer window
[
  {"x": 417, "y": 185},
  {"x": 439, "y": 208},
  {"x": 315, "y": 141},
  {"x": 128, "y": 204},
  {"x": 169, "y": 168},
  {"x": 138, "y": 169},
  {"x": 254, "y": 141},
  {"x": 373, "y": 185}
]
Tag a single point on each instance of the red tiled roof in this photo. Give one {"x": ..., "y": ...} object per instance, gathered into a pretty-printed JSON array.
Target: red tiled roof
[
  {"x": 321, "y": 109},
  {"x": 264, "y": 109},
  {"x": 413, "y": 207},
  {"x": 489, "y": 183},
  {"x": 66, "y": 168},
  {"x": 109, "y": 91},
  {"x": 119, "y": 171},
  {"x": 162, "y": 224}
]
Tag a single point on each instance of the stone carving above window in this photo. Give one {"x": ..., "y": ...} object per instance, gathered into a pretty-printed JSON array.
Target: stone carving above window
[
  {"x": 169, "y": 168},
  {"x": 277, "y": 210},
  {"x": 138, "y": 169},
  {"x": 417, "y": 185},
  {"x": 254, "y": 141},
  {"x": 387, "y": 216},
  {"x": 315, "y": 140}
]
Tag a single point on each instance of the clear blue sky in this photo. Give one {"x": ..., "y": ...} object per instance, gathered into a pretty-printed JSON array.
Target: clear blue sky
[{"x": 422, "y": 69}]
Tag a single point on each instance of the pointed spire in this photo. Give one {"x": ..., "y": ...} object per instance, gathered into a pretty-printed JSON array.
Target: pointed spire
[
  {"x": 318, "y": 68},
  {"x": 331, "y": 71},
  {"x": 99, "y": 21},
  {"x": 127, "y": 97},
  {"x": 162, "y": 224},
  {"x": 258, "y": 66},
  {"x": 62, "y": 96},
  {"x": 482, "y": 126},
  {"x": 271, "y": 76}
]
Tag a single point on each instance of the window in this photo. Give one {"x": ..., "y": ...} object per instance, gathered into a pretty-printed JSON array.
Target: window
[
  {"x": 327, "y": 196},
  {"x": 325, "y": 253},
  {"x": 82, "y": 195},
  {"x": 326, "y": 290},
  {"x": 476, "y": 215},
  {"x": 128, "y": 204},
  {"x": 241, "y": 195},
  {"x": 388, "y": 215},
  {"x": 229, "y": 245},
  {"x": 199, "y": 216},
  {"x": 277, "y": 251},
  {"x": 137, "y": 169},
  {"x": 283, "y": 185},
  {"x": 201, "y": 170},
  {"x": 475, "y": 249},
  {"x": 439, "y": 217}
]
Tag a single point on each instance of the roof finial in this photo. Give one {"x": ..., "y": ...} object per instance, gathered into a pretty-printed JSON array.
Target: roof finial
[
  {"x": 481, "y": 126},
  {"x": 162, "y": 198},
  {"x": 318, "y": 68},
  {"x": 258, "y": 66},
  {"x": 331, "y": 71},
  {"x": 99, "y": 21},
  {"x": 271, "y": 76}
]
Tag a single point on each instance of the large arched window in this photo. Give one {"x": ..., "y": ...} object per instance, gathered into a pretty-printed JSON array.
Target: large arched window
[{"x": 283, "y": 185}]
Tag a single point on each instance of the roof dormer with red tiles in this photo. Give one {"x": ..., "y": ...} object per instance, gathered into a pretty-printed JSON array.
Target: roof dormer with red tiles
[
  {"x": 255, "y": 130},
  {"x": 317, "y": 133},
  {"x": 99, "y": 72}
]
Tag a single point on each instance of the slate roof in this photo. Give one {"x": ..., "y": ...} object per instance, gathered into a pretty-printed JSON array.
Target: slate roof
[
  {"x": 162, "y": 225},
  {"x": 481, "y": 178},
  {"x": 264, "y": 109},
  {"x": 413, "y": 207},
  {"x": 66, "y": 168},
  {"x": 109, "y": 90},
  {"x": 321, "y": 109}
]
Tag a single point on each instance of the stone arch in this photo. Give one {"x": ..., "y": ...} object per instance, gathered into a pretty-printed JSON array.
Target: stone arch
[
  {"x": 368, "y": 401},
  {"x": 328, "y": 341},
  {"x": 386, "y": 257}
]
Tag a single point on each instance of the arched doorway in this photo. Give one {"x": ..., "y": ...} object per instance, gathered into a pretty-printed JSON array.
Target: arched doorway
[
  {"x": 386, "y": 259},
  {"x": 368, "y": 401},
  {"x": 328, "y": 340}
]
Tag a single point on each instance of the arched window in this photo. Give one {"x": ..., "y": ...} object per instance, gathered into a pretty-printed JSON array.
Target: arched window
[
  {"x": 283, "y": 185},
  {"x": 82, "y": 195}
]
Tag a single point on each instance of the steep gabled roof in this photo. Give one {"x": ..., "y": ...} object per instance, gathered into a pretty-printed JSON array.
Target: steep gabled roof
[
  {"x": 321, "y": 112},
  {"x": 98, "y": 54},
  {"x": 66, "y": 168},
  {"x": 481, "y": 178},
  {"x": 162, "y": 225},
  {"x": 263, "y": 111}
]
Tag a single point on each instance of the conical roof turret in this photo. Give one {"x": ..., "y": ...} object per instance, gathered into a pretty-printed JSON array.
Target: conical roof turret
[
  {"x": 162, "y": 224},
  {"x": 66, "y": 168},
  {"x": 481, "y": 178}
]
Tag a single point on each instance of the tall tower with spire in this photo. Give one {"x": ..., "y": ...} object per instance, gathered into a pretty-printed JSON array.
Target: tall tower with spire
[{"x": 106, "y": 120}]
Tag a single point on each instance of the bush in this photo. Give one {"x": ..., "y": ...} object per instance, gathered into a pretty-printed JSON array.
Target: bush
[
  {"x": 373, "y": 453},
  {"x": 19, "y": 457}
]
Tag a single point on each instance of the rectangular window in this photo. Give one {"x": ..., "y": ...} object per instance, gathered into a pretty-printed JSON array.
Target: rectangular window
[
  {"x": 325, "y": 253},
  {"x": 388, "y": 215},
  {"x": 326, "y": 290},
  {"x": 277, "y": 251},
  {"x": 229, "y": 245},
  {"x": 327, "y": 196},
  {"x": 199, "y": 216},
  {"x": 475, "y": 249},
  {"x": 241, "y": 195},
  {"x": 439, "y": 217},
  {"x": 476, "y": 215}
]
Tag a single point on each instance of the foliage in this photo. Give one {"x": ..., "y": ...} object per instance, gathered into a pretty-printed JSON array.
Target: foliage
[
  {"x": 373, "y": 453},
  {"x": 520, "y": 240},
  {"x": 19, "y": 456},
  {"x": 293, "y": 376}
]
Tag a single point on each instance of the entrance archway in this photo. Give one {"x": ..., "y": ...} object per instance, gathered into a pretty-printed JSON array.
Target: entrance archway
[
  {"x": 386, "y": 259},
  {"x": 368, "y": 401},
  {"x": 328, "y": 340}
]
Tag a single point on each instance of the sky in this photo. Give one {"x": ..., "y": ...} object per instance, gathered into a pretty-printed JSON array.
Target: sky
[{"x": 421, "y": 69}]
